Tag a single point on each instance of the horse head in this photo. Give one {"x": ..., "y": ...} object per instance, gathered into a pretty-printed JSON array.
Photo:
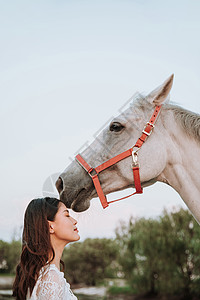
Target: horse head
[{"x": 76, "y": 188}]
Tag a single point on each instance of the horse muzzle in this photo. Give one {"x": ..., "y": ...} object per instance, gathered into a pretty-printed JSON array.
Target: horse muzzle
[{"x": 75, "y": 188}]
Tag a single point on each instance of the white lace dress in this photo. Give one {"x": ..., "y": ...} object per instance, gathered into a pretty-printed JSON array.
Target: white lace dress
[{"x": 51, "y": 285}]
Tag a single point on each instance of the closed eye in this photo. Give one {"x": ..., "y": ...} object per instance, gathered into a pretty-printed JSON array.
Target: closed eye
[{"x": 116, "y": 126}]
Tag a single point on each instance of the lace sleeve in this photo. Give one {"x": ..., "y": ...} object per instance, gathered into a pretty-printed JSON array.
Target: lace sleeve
[{"x": 51, "y": 287}]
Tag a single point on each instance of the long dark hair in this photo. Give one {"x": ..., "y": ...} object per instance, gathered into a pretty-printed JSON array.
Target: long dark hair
[{"x": 36, "y": 245}]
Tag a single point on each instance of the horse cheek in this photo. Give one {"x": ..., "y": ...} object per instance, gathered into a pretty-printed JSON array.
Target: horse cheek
[{"x": 152, "y": 162}]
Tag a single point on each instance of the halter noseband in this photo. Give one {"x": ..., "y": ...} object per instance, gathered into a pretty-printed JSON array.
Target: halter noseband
[{"x": 93, "y": 172}]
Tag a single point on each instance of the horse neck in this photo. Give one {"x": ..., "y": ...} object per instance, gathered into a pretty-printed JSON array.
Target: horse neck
[{"x": 182, "y": 171}]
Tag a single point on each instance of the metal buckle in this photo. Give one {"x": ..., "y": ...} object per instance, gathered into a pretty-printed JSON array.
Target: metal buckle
[
  {"x": 90, "y": 172},
  {"x": 135, "y": 157},
  {"x": 148, "y": 133}
]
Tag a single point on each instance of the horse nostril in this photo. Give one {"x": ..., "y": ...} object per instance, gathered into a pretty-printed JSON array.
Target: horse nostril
[{"x": 59, "y": 185}]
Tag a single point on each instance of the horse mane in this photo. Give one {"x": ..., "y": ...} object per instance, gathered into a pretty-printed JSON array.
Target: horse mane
[{"x": 189, "y": 121}]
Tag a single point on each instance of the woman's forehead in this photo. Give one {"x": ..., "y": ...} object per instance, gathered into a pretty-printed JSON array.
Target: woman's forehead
[{"x": 62, "y": 207}]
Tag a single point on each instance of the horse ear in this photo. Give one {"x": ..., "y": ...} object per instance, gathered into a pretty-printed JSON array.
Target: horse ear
[{"x": 161, "y": 93}]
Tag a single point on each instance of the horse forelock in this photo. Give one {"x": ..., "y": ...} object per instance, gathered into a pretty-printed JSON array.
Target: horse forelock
[{"x": 138, "y": 101}]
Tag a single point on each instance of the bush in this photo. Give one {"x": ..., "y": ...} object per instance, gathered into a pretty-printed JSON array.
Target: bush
[{"x": 90, "y": 261}]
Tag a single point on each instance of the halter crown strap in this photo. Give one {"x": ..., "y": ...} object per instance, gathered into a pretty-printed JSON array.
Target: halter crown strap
[{"x": 130, "y": 152}]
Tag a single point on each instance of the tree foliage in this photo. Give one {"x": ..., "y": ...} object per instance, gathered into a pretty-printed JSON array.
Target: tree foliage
[
  {"x": 9, "y": 256},
  {"x": 162, "y": 256},
  {"x": 91, "y": 260}
]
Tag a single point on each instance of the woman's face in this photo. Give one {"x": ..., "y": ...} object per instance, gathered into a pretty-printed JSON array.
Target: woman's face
[{"x": 64, "y": 226}]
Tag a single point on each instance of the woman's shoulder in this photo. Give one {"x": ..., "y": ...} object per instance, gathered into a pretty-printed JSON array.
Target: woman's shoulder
[
  {"x": 51, "y": 283},
  {"x": 51, "y": 269},
  {"x": 50, "y": 274}
]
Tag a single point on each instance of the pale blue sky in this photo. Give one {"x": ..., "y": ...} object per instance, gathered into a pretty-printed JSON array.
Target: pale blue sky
[{"x": 63, "y": 60}]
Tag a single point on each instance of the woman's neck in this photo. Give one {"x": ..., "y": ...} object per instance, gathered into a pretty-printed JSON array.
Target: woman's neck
[{"x": 58, "y": 250}]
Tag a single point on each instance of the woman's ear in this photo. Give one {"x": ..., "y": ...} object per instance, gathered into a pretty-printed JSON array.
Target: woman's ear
[{"x": 51, "y": 227}]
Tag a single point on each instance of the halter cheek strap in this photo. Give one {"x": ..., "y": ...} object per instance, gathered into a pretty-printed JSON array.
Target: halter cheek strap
[{"x": 93, "y": 172}]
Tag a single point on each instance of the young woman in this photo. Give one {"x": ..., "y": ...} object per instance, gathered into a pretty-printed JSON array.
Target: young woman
[{"x": 48, "y": 227}]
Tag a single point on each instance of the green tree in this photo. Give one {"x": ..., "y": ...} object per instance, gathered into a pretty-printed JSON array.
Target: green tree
[
  {"x": 181, "y": 253},
  {"x": 4, "y": 246},
  {"x": 13, "y": 255},
  {"x": 140, "y": 260},
  {"x": 162, "y": 256},
  {"x": 9, "y": 256},
  {"x": 90, "y": 261}
]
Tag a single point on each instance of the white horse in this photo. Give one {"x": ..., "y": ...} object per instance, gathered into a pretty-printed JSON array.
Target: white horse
[{"x": 170, "y": 155}]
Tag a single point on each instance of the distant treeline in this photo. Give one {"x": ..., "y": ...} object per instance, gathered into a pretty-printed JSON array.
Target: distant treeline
[{"x": 156, "y": 256}]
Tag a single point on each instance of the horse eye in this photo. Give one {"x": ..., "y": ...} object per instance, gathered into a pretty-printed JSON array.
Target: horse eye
[{"x": 116, "y": 126}]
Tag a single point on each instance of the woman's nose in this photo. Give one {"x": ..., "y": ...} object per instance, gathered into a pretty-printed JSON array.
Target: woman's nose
[{"x": 74, "y": 221}]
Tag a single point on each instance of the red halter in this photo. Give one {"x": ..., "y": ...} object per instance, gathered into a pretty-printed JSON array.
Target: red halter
[{"x": 130, "y": 152}]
